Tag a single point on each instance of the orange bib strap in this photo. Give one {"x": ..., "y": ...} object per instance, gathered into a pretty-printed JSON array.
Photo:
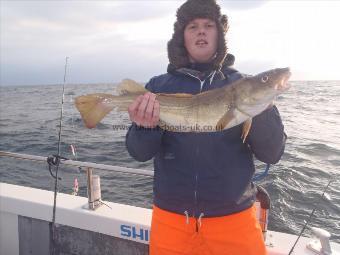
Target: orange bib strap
[{"x": 236, "y": 234}]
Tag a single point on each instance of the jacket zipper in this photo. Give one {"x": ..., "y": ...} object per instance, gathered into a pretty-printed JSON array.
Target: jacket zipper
[
  {"x": 198, "y": 220},
  {"x": 201, "y": 82},
  {"x": 195, "y": 191},
  {"x": 196, "y": 201}
]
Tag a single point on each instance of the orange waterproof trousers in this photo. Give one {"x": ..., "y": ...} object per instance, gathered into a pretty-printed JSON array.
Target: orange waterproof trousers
[{"x": 236, "y": 234}]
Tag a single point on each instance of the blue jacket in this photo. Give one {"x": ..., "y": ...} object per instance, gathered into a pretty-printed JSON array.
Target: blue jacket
[{"x": 207, "y": 173}]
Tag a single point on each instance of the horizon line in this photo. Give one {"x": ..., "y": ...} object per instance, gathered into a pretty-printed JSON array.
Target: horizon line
[{"x": 116, "y": 82}]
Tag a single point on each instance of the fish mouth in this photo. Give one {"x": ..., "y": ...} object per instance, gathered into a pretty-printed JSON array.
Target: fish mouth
[{"x": 283, "y": 84}]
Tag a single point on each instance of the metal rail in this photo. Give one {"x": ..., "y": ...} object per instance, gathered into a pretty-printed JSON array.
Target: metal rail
[{"x": 74, "y": 163}]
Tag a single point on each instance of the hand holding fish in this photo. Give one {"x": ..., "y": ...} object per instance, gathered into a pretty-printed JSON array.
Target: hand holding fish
[{"x": 144, "y": 110}]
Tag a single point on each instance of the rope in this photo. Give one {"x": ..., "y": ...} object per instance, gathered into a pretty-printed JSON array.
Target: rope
[{"x": 259, "y": 176}]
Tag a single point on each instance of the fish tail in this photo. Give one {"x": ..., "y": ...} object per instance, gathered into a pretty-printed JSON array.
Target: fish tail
[{"x": 93, "y": 108}]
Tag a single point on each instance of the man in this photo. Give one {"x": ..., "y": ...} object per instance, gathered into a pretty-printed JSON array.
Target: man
[{"x": 203, "y": 194}]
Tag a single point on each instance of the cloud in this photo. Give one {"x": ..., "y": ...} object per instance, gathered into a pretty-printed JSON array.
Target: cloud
[
  {"x": 71, "y": 19},
  {"x": 67, "y": 12},
  {"x": 242, "y": 5},
  {"x": 110, "y": 40},
  {"x": 102, "y": 39},
  {"x": 254, "y": 67}
]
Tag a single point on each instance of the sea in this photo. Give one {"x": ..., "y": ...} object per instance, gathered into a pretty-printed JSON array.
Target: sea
[{"x": 310, "y": 111}]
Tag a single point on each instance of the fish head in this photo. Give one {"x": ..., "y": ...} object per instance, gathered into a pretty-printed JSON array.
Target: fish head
[
  {"x": 258, "y": 91},
  {"x": 274, "y": 80}
]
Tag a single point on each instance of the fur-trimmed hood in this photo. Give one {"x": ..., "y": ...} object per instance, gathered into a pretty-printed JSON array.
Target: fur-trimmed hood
[{"x": 190, "y": 10}]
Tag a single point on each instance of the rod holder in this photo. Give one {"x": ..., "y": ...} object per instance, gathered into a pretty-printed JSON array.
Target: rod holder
[
  {"x": 93, "y": 189},
  {"x": 321, "y": 245}
]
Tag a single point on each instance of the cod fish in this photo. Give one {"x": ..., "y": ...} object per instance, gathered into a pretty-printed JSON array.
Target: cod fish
[{"x": 211, "y": 111}]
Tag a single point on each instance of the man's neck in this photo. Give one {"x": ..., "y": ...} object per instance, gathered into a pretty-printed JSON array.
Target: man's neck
[{"x": 202, "y": 67}]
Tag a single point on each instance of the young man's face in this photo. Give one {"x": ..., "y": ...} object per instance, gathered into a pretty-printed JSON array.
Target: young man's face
[{"x": 200, "y": 40}]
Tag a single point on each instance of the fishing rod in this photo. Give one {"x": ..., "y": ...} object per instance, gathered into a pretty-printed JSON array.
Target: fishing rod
[
  {"x": 55, "y": 161},
  {"x": 310, "y": 217},
  {"x": 59, "y": 143}
]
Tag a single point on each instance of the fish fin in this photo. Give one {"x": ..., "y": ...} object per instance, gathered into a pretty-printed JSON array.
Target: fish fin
[
  {"x": 128, "y": 86},
  {"x": 178, "y": 95},
  {"x": 245, "y": 129},
  {"x": 225, "y": 119},
  {"x": 93, "y": 108}
]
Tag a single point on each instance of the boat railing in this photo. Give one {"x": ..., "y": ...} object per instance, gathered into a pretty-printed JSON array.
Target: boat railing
[{"x": 81, "y": 164}]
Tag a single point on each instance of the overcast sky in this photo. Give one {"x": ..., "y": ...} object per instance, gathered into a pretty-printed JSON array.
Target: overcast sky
[{"x": 107, "y": 41}]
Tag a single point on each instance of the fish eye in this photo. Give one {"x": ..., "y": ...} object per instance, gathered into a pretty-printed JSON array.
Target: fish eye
[{"x": 264, "y": 78}]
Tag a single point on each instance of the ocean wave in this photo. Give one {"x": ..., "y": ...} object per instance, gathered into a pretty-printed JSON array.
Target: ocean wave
[{"x": 319, "y": 149}]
